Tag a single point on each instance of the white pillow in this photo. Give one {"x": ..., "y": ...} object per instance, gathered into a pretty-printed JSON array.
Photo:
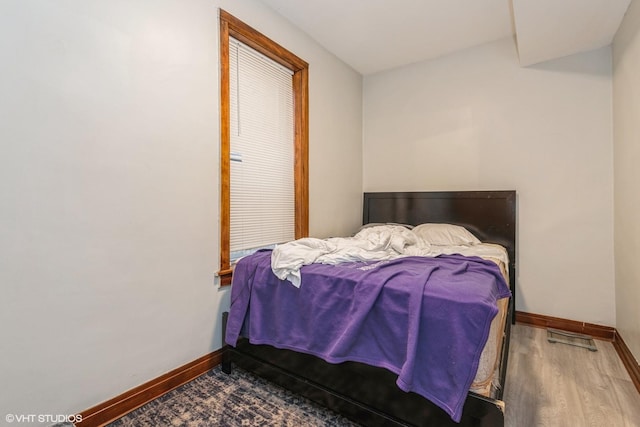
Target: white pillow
[
  {"x": 378, "y": 224},
  {"x": 445, "y": 234}
]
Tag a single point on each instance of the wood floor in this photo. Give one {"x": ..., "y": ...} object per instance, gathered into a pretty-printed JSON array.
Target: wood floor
[{"x": 562, "y": 385}]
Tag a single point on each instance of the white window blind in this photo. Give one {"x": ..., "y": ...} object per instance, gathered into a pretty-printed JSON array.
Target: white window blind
[{"x": 262, "y": 151}]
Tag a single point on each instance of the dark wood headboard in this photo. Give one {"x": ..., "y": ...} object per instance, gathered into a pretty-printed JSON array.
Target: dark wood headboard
[{"x": 489, "y": 215}]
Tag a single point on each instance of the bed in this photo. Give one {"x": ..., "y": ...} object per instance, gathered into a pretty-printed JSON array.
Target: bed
[{"x": 369, "y": 394}]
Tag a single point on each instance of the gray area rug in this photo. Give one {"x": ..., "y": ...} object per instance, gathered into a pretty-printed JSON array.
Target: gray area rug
[{"x": 239, "y": 399}]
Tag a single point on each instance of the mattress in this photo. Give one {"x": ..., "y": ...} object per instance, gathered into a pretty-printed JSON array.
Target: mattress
[{"x": 486, "y": 381}]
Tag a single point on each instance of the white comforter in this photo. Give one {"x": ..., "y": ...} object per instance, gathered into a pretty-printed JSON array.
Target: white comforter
[
  {"x": 370, "y": 244},
  {"x": 374, "y": 243}
]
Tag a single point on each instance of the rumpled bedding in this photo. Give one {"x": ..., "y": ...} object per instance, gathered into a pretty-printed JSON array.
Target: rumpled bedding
[
  {"x": 426, "y": 319},
  {"x": 374, "y": 243},
  {"x": 384, "y": 242}
]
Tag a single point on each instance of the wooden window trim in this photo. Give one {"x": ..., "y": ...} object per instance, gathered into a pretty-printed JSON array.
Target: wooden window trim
[{"x": 233, "y": 27}]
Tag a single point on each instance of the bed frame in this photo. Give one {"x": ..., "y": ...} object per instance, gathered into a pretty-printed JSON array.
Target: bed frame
[{"x": 369, "y": 395}]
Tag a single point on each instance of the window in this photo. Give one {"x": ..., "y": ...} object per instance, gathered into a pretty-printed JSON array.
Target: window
[
  {"x": 264, "y": 155},
  {"x": 261, "y": 145}
]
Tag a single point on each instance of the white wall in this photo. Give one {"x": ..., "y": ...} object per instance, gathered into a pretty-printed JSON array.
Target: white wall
[
  {"x": 626, "y": 130},
  {"x": 476, "y": 120},
  {"x": 109, "y": 188}
]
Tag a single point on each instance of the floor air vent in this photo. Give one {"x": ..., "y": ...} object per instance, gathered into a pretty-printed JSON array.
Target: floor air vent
[{"x": 571, "y": 338}]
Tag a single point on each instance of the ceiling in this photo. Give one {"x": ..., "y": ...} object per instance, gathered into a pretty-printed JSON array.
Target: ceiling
[{"x": 377, "y": 35}]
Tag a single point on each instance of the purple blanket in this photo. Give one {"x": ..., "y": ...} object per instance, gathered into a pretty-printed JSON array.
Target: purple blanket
[{"x": 425, "y": 319}]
